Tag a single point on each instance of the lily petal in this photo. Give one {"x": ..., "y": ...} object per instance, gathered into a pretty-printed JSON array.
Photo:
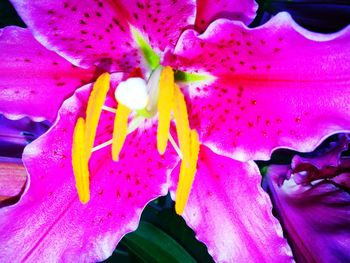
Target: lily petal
[
  {"x": 98, "y": 32},
  {"x": 278, "y": 83},
  {"x": 239, "y": 10},
  {"x": 50, "y": 212},
  {"x": 316, "y": 217},
  {"x": 34, "y": 81},
  {"x": 231, "y": 214}
]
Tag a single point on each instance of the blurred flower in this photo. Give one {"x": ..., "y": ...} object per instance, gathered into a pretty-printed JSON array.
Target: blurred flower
[
  {"x": 16, "y": 134},
  {"x": 312, "y": 197}
]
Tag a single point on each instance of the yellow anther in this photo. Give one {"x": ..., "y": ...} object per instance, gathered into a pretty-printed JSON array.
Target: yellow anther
[
  {"x": 182, "y": 124},
  {"x": 94, "y": 108},
  {"x": 120, "y": 130},
  {"x": 187, "y": 174},
  {"x": 165, "y": 99},
  {"x": 80, "y": 162},
  {"x": 189, "y": 146}
]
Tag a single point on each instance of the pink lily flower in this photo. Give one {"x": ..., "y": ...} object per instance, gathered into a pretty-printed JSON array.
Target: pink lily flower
[{"x": 267, "y": 89}]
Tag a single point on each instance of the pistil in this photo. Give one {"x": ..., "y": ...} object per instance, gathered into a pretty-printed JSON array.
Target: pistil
[{"x": 132, "y": 93}]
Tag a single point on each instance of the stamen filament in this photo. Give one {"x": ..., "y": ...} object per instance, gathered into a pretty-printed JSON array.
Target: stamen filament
[
  {"x": 133, "y": 125},
  {"x": 80, "y": 162},
  {"x": 102, "y": 145},
  {"x": 94, "y": 109},
  {"x": 120, "y": 130},
  {"x": 106, "y": 108},
  {"x": 176, "y": 148},
  {"x": 153, "y": 91},
  {"x": 166, "y": 95}
]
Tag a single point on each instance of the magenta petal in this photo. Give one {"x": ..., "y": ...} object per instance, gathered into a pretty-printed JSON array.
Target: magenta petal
[
  {"x": 231, "y": 213},
  {"x": 161, "y": 20},
  {"x": 98, "y": 33},
  {"x": 316, "y": 217},
  {"x": 49, "y": 222},
  {"x": 84, "y": 32},
  {"x": 208, "y": 11},
  {"x": 277, "y": 86},
  {"x": 34, "y": 81}
]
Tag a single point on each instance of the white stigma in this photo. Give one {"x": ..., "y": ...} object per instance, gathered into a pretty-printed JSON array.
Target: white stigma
[{"x": 132, "y": 93}]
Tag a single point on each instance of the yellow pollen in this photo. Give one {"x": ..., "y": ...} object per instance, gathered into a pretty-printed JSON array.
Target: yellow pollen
[
  {"x": 187, "y": 174},
  {"x": 189, "y": 146},
  {"x": 182, "y": 124},
  {"x": 94, "y": 108},
  {"x": 120, "y": 130},
  {"x": 80, "y": 162},
  {"x": 165, "y": 99}
]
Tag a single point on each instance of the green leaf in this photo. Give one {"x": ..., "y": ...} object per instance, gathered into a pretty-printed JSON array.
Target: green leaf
[
  {"x": 175, "y": 226},
  {"x": 152, "y": 245},
  {"x": 150, "y": 56},
  {"x": 119, "y": 256},
  {"x": 263, "y": 171}
]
